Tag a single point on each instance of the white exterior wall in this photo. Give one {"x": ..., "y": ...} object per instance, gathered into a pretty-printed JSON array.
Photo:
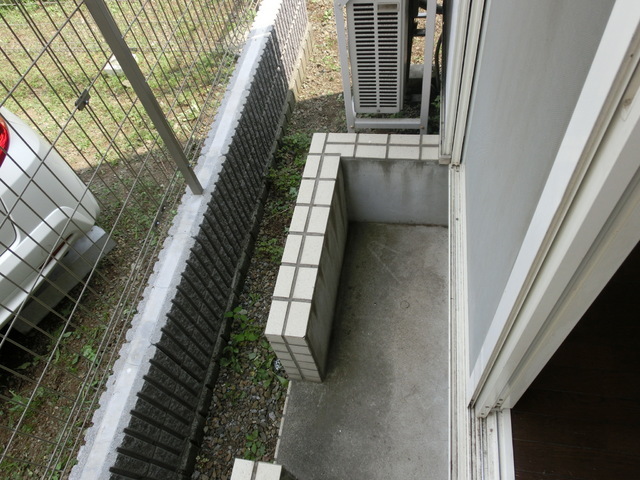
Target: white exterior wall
[{"x": 532, "y": 63}]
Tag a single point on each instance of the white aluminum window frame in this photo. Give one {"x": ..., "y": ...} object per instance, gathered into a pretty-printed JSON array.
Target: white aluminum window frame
[
  {"x": 570, "y": 192},
  {"x": 585, "y": 224}
]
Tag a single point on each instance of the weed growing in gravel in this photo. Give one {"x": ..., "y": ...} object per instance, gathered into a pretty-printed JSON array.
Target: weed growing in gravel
[
  {"x": 249, "y": 352},
  {"x": 255, "y": 447},
  {"x": 284, "y": 176},
  {"x": 270, "y": 249},
  {"x": 284, "y": 180}
]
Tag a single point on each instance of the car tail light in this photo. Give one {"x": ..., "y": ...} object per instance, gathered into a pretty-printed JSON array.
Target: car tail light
[{"x": 4, "y": 139}]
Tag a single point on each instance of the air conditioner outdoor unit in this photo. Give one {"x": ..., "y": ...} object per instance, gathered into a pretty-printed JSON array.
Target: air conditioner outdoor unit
[
  {"x": 377, "y": 32},
  {"x": 375, "y": 57}
]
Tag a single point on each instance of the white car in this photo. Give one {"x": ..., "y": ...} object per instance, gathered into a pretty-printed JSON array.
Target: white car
[{"x": 44, "y": 209}]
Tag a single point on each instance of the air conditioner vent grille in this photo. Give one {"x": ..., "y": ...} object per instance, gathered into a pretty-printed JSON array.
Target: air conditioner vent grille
[{"x": 377, "y": 41}]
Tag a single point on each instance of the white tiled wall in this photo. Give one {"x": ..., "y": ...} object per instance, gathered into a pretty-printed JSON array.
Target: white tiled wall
[
  {"x": 301, "y": 316},
  {"x": 299, "y": 324},
  {"x": 250, "y": 470}
]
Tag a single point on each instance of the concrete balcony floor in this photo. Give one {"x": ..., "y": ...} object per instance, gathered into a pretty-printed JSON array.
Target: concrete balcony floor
[{"x": 382, "y": 411}]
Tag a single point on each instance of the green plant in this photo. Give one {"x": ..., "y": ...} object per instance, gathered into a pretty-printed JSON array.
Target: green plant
[
  {"x": 285, "y": 174},
  {"x": 254, "y": 297},
  {"x": 20, "y": 406},
  {"x": 87, "y": 351},
  {"x": 254, "y": 447},
  {"x": 249, "y": 351},
  {"x": 331, "y": 62},
  {"x": 293, "y": 147},
  {"x": 263, "y": 359},
  {"x": 270, "y": 249},
  {"x": 248, "y": 332},
  {"x": 13, "y": 470}
]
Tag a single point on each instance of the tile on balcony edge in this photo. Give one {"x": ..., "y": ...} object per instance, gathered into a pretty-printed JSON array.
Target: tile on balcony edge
[
  {"x": 371, "y": 151},
  {"x": 343, "y": 149},
  {"x": 300, "y": 350},
  {"x": 312, "y": 250},
  {"x": 308, "y": 370},
  {"x": 305, "y": 361},
  {"x": 305, "y": 283},
  {"x": 317, "y": 142},
  {"x": 294, "y": 340},
  {"x": 284, "y": 282},
  {"x": 330, "y": 167},
  {"x": 268, "y": 471},
  {"x": 289, "y": 365},
  {"x": 277, "y": 317},
  {"x": 297, "y": 320},
  {"x": 305, "y": 192},
  {"x": 430, "y": 140},
  {"x": 277, "y": 341},
  {"x": 341, "y": 138},
  {"x": 403, "y": 152},
  {"x": 311, "y": 166},
  {"x": 373, "y": 138},
  {"x": 324, "y": 192},
  {"x": 283, "y": 356},
  {"x": 242, "y": 469},
  {"x": 292, "y": 248},
  {"x": 280, "y": 349},
  {"x": 395, "y": 139},
  {"x": 299, "y": 219},
  {"x": 318, "y": 219},
  {"x": 430, "y": 153}
]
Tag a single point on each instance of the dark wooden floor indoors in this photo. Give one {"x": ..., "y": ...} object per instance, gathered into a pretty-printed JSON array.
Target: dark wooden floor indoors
[{"x": 580, "y": 419}]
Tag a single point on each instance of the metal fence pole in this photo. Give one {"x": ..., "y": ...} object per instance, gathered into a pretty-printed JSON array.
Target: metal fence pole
[{"x": 109, "y": 29}]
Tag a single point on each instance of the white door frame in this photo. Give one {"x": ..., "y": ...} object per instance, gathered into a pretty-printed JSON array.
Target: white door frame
[
  {"x": 462, "y": 50},
  {"x": 479, "y": 447},
  {"x": 584, "y": 226},
  {"x": 572, "y": 229}
]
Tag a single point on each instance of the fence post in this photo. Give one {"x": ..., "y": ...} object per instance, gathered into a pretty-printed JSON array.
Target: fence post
[{"x": 111, "y": 33}]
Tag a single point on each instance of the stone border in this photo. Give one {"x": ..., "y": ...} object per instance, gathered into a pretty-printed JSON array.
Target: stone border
[{"x": 151, "y": 417}]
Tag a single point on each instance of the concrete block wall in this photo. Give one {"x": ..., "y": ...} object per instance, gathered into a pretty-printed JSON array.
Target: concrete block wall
[
  {"x": 151, "y": 417},
  {"x": 347, "y": 177},
  {"x": 301, "y": 315},
  {"x": 250, "y": 470}
]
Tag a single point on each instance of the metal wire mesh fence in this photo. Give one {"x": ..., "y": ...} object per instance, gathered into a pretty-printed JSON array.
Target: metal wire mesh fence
[{"x": 87, "y": 190}]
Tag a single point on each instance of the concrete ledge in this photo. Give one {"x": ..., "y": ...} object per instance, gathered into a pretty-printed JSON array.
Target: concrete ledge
[
  {"x": 250, "y": 470},
  {"x": 347, "y": 177},
  {"x": 152, "y": 414}
]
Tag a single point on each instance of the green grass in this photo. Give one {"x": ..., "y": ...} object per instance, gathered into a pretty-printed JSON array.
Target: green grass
[{"x": 286, "y": 173}]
